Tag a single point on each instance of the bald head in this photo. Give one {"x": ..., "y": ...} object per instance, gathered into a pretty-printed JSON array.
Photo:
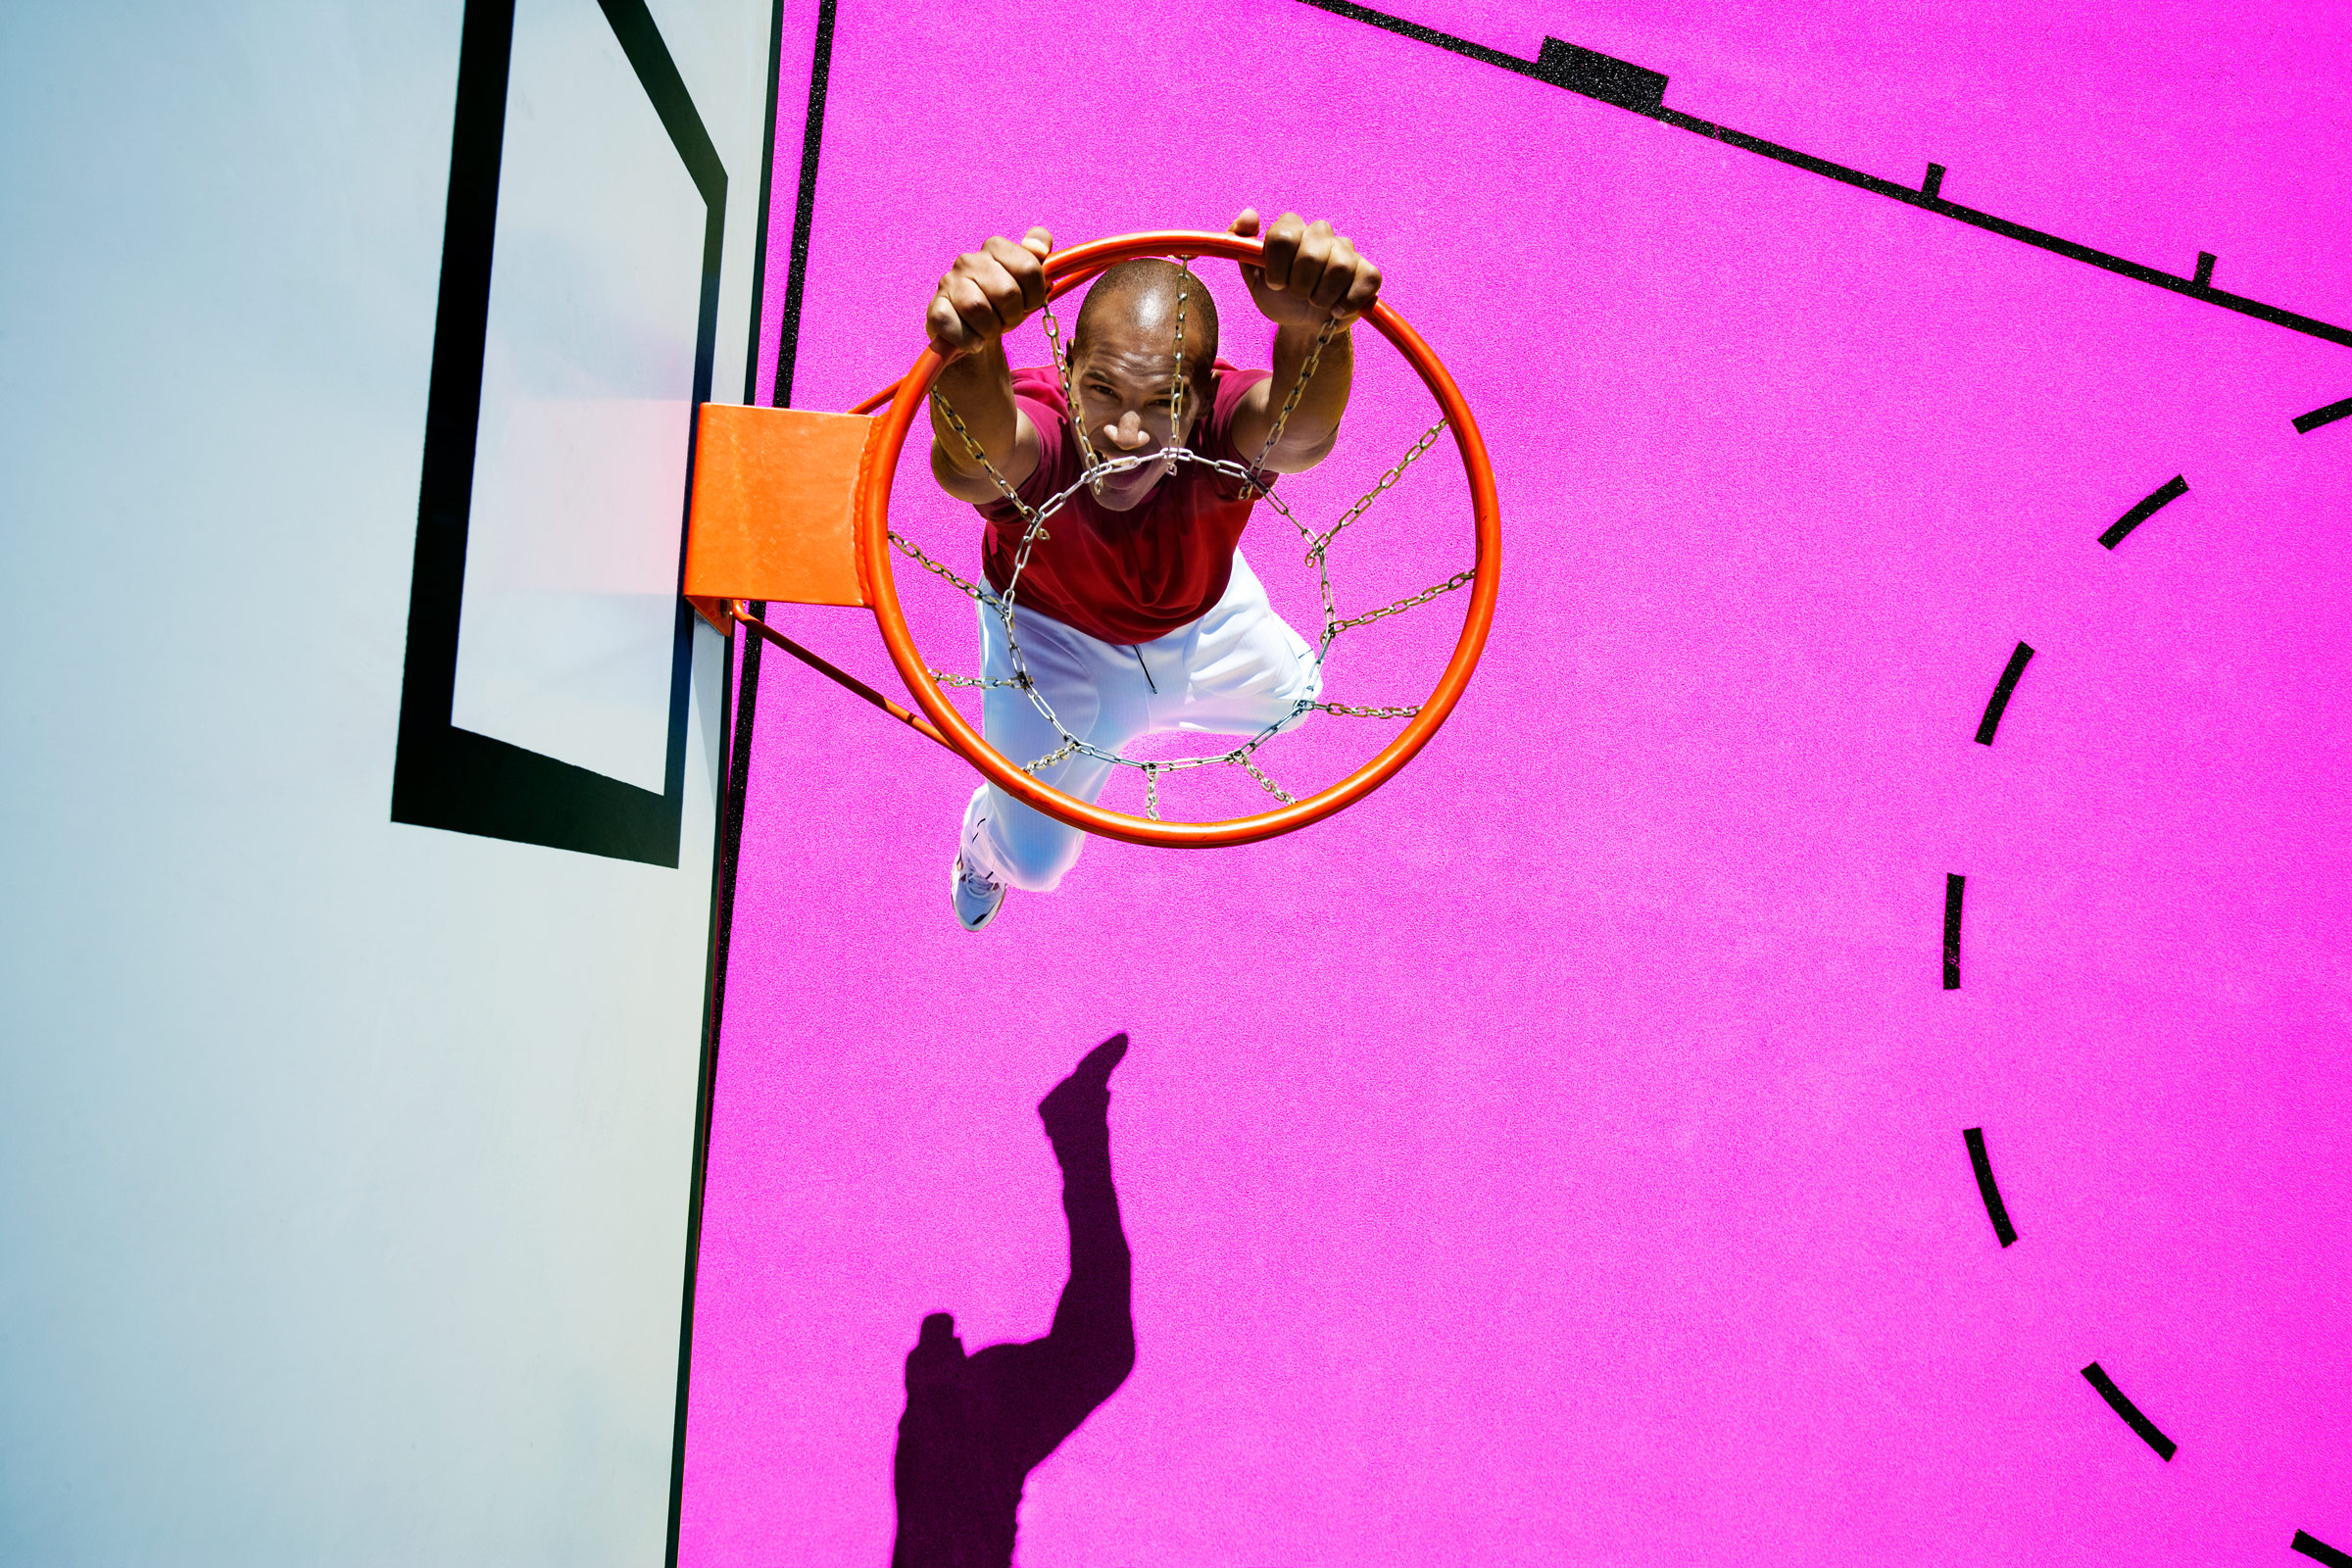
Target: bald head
[
  {"x": 1135, "y": 302},
  {"x": 1123, "y": 371}
]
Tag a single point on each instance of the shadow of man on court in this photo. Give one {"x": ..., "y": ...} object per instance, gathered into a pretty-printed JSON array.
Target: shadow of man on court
[{"x": 976, "y": 1425}]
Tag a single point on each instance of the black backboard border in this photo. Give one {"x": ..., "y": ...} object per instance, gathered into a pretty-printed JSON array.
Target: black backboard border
[{"x": 444, "y": 776}]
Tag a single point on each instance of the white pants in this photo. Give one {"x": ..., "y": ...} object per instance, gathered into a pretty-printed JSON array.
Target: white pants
[{"x": 1234, "y": 671}]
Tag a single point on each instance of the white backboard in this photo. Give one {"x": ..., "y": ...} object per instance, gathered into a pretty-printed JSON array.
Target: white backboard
[{"x": 358, "y": 916}]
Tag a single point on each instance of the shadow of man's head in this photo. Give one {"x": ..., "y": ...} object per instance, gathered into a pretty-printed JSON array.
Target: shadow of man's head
[{"x": 938, "y": 1352}]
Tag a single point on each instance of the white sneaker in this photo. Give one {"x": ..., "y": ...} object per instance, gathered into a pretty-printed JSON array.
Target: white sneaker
[{"x": 977, "y": 897}]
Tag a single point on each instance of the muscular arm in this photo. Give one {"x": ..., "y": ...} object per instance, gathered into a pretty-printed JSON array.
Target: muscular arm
[
  {"x": 979, "y": 388},
  {"x": 1313, "y": 426},
  {"x": 1311, "y": 276},
  {"x": 985, "y": 295}
]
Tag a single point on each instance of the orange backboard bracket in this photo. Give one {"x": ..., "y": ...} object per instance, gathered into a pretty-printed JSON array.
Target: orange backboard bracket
[{"x": 773, "y": 511}]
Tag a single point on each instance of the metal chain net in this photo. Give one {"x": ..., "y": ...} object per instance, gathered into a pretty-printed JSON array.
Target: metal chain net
[{"x": 1255, "y": 482}]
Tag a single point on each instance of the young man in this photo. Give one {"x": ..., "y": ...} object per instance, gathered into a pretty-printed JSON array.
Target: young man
[{"x": 1138, "y": 614}]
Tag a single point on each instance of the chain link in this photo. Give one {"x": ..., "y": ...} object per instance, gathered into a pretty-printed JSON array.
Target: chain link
[
  {"x": 1387, "y": 481},
  {"x": 1306, "y": 373},
  {"x": 909, "y": 548},
  {"x": 1069, "y": 398},
  {"x": 1403, "y": 604},
  {"x": 1255, "y": 771},
  {"x": 943, "y": 678},
  {"x": 1183, "y": 277},
  {"x": 971, "y": 445},
  {"x": 1059, "y": 754},
  {"x": 1345, "y": 711}
]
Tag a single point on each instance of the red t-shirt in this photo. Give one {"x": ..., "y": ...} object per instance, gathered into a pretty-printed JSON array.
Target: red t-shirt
[{"x": 1123, "y": 576}]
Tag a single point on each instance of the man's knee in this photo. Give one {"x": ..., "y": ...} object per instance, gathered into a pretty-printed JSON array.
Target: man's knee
[
  {"x": 1288, "y": 708},
  {"x": 1040, "y": 869},
  {"x": 1032, "y": 851}
]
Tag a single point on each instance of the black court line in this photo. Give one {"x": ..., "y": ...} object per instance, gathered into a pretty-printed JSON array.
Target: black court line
[
  {"x": 2164, "y": 1447},
  {"x": 1641, "y": 91},
  {"x": 714, "y": 987},
  {"x": 788, "y": 353},
  {"x": 744, "y": 692},
  {"x": 767, "y": 189},
  {"x": 2305, "y": 423},
  {"x": 722, "y": 870},
  {"x": 2163, "y": 496},
  {"x": 2019, "y": 658},
  {"x": 2319, "y": 1551},
  {"x": 788, "y": 344},
  {"x": 735, "y": 711},
  {"x": 804, "y": 211},
  {"x": 1952, "y": 886},
  {"x": 1995, "y": 1208},
  {"x": 788, "y": 350}
]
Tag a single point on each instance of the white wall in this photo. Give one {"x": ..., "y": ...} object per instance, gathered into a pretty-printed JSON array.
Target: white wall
[{"x": 344, "y": 1165}]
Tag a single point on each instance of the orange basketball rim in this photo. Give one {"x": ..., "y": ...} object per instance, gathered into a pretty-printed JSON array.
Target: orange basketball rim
[{"x": 794, "y": 507}]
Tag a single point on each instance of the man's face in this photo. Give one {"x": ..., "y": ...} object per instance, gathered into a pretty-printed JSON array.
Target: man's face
[{"x": 1123, "y": 379}]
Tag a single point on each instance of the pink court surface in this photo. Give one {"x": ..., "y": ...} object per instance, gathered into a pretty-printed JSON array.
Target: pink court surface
[{"x": 1558, "y": 1157}]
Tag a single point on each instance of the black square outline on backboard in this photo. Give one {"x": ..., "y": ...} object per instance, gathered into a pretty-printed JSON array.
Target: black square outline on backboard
[{"x": 444, "y": 776}]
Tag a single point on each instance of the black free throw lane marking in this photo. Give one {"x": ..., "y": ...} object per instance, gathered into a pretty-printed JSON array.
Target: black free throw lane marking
[
  {"x": 796, "y": 278},
  {"x": 804, "y": 211},
  {"x": 745, "y": 691},
  {"x": 1563, "y": 65},
  {"x": 1952, "y": 886},
  {"x": 736, "y": 715},
  {"x": 714, "y": 991},
  {"x": 2204, "y": 278},
  {"x": 722, "y": 871},
  {"x": 2019, "y": 658},
  {"x": 1641, "y": 90},
  {"x": 736, "y": 712},
  {"x": 1993, "y": 1206},
  {"x": 788, "y": 346},
  {"x": 767, "y": 188},
  {"x": 2164, "y": 1447},
  {"x": 1932, "y": 186},
  {"x": 2156, "y": 500},
  {"x": 2312, "y": 1546},
  {"x": 2305, "y": 423},
  {"x": 788, "y": 343}
]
